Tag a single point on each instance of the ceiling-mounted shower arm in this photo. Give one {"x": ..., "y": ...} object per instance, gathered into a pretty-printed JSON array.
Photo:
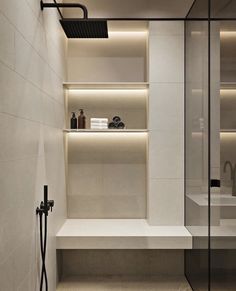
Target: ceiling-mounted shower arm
[{"x": 65, "y": 5}]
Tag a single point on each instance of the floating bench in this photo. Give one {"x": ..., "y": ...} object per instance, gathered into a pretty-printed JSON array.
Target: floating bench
[{"x": 121, "y": 234}]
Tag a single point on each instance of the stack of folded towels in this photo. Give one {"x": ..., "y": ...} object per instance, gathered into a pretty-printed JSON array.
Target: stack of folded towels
[{"x": 99, "y": 123}]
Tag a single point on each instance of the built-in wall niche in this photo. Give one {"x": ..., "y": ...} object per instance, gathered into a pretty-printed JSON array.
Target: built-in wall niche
[
  {"x": 228, "y": 107},
  {"x": 120, "y": 58},
  {"x": 227, "y": 101},
  {"x": 228, "y": 74},
  {"x": 128, "y": 102},
  {"x": 106, "y": 170},
  {"x": 228, "y": 51},
  {"x": 106, "y": 174}
]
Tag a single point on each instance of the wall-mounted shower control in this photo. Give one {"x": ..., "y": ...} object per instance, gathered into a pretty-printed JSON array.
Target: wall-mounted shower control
[{"x": 46, "y": 204}]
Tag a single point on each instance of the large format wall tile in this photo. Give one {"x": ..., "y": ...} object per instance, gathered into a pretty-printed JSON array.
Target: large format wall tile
[
  {"x": 166, "y": 154},
  {"x": 103, "y": 190},
  {"x": 166, "y": 58},
  {"x": 166, "y": 28},
  {"x": 166, "y": 124},
  {"x": 167, "y": 196},
  {"x": 166, "y": 107},
  {"x": 7, "y": 42},
  {"x": 32, "y": 153}
]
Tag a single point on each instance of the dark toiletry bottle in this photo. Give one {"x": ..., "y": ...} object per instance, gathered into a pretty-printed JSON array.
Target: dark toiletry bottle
[
  {"x": 81, "y": 120},
  {"x": 73, "y": 121}
]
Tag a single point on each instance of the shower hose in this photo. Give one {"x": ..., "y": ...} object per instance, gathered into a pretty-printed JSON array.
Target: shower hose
[{"x": 43, "y": 247}]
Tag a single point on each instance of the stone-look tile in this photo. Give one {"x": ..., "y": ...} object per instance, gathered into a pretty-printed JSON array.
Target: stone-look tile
[
  {"x": 21, "y": 16},
  {"x": 17, "y": 201},
  {"x": 7, "y": 42},
  {"x": 19, "y": 97},
  {"x": 104, "y": 206},
  {"x": 166, "y": 28},
  {"x": 166, "y": 107},
  {"x": 19, "y": 138},
  {"x": 166, "y": 154},
  {"x": 166, "y": 124},
  {"x": 107, "y": 190},
  {"x": 110, "y": 148},
  {"x": 85, "y": 179},
  {"x": 6, "y": 279},
  {"x": 120, "y": 59},
  {"x": 53, "y": 56},
  {"x": 166, "y": 55},
  {"x": 32, "y": 154},
  {"x": 125, "y": 283},
  {"x": 49, "y": 114},
  {"x": 128, "y": 69},
  {"x": 116, "y": 177},
  {"x": 28, "y": 62},
  {"x": 52, "y": 85},
  {"x": 167, "y": 202}
]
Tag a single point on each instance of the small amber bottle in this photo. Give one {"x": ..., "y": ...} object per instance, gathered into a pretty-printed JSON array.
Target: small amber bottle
[{"x": 81, "y": 120}]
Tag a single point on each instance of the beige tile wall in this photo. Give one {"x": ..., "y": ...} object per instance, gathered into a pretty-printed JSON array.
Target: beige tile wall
[
  {"x": 121, "y": 58},
  {"x": 107, "y": 175},
  {"x": 32, "y": 63},
  {"x": 166, "y": 124},
  {"x": 107, "y": 172}
]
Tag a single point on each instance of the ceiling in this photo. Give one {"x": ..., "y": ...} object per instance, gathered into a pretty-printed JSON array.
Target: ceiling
[{"x": 131, "y": 8}]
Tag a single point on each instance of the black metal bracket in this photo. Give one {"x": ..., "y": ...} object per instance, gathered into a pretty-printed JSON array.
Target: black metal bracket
[
  {"x": 64, "y": 5},
  {"x": 45, "y": 205}
]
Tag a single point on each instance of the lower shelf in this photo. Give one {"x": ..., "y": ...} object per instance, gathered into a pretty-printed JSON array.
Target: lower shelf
[
  {"x": 124, "y": 283},
  {"x": 121, "y": 234}
]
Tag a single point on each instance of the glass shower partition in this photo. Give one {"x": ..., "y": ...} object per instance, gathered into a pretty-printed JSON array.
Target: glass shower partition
[
  {"x": 210, "y": 144},
  {"x": 197, "y": 144},
  {"x": 223, "y": 145}
]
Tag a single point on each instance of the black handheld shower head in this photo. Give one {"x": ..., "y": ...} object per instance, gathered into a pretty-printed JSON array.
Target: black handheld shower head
[{"x": 79, "y": 27}]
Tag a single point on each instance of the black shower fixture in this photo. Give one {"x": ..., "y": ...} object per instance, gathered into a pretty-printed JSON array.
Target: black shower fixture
[
  {"x": 43, "y": 209},
  {"x": 79, "y": 27}
]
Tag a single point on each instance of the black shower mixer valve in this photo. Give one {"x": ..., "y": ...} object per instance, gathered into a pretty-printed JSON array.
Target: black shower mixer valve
[
  {"x": 43, "y": 209},
  {"x": 46, "y": 204}
]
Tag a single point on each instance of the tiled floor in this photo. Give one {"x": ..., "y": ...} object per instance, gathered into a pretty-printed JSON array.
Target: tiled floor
[{"x": 167, "y": 283}]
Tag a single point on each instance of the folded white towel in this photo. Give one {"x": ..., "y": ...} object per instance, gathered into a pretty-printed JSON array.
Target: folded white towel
[
  {"x": 105, "y": 126},
  {"x": 98, "y": 123},
  {"x": 99, "y": 120}
]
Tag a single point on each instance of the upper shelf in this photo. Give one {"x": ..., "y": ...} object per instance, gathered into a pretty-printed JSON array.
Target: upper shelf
[
  {"x": 228, "y": 85},
  {"x": 105, "y": 130},
  {"x": 108, "y": 85},
  {"x": 228, "y": 130}
]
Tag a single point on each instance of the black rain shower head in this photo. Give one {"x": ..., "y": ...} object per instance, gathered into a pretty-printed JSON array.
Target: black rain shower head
[
  {"x": 84, "y": 28},
  {"x": 79, "y": 27}
]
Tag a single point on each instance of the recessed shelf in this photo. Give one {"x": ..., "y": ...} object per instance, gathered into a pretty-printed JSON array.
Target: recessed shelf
[
  {"x": 121, "y": 234},
  {"x": 228, "y": 85},
  {"x": 106, "y": 85},
  {"x": 105, "y": 130},
  {"x": 228, "y": 130}
]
